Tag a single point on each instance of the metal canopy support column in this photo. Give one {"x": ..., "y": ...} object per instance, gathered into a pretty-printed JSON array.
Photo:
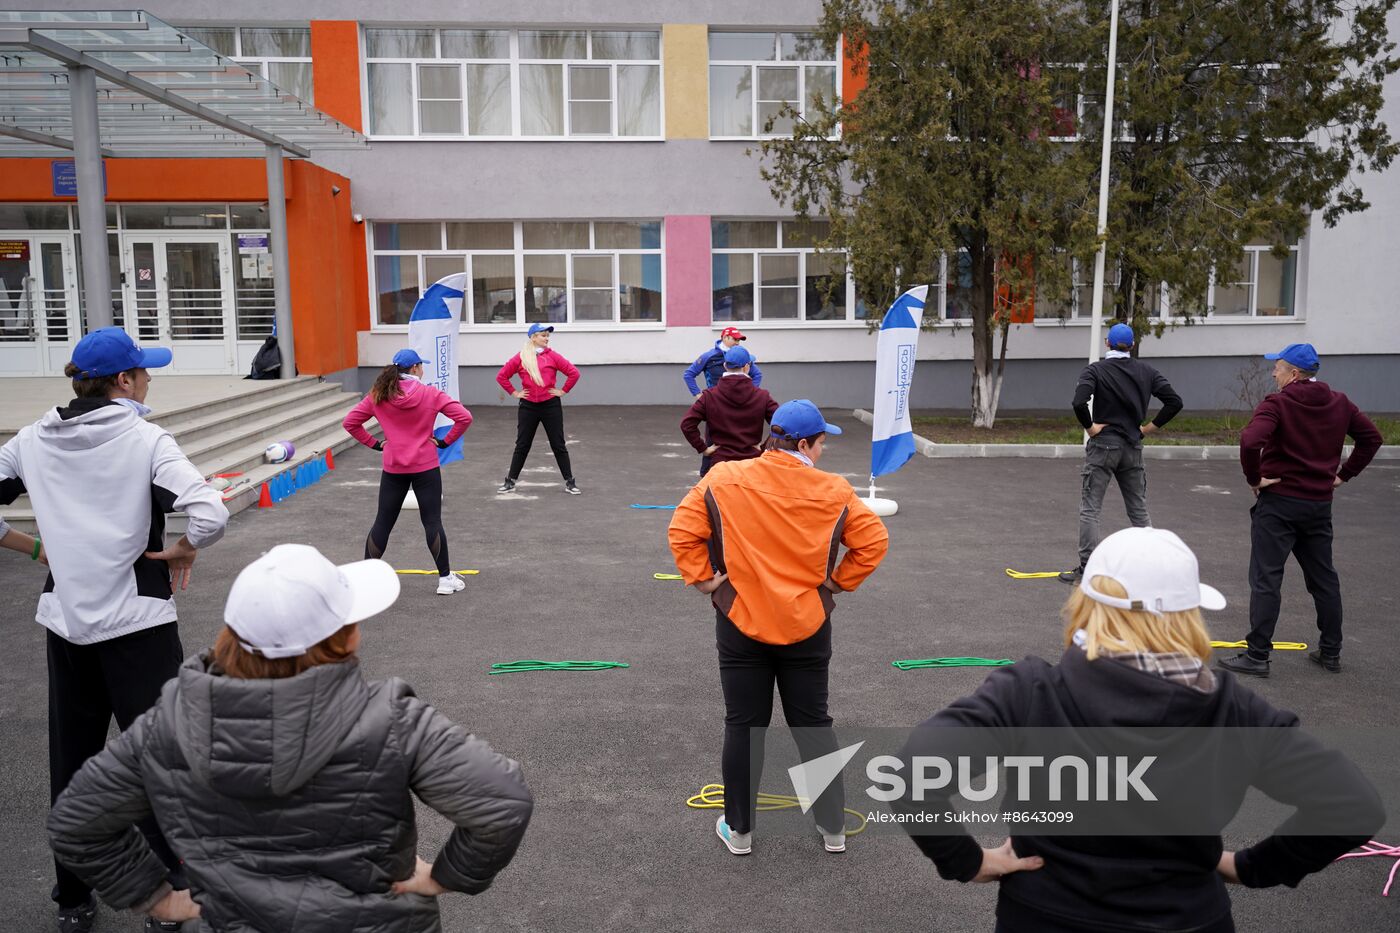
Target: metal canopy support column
[
  {"x": 92, "y": 208},
  {"x": 281, "y": 267}
]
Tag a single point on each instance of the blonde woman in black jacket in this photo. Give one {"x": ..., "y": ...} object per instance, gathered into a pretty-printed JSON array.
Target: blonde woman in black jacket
[
  {"x": 282, "y": 778},
  {"x": 1135, "y": 660}
]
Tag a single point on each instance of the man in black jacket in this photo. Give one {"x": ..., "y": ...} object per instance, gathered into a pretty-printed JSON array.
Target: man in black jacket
[{"x": 1121, "y": 387}]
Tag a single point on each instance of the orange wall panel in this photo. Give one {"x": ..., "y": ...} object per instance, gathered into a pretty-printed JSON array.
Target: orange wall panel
[
  {"x": 329, "y": 276},
  {"x": 146, "y": 180},
  {"x": 853, "y": 70},
  {"x": 335, "y": 56},
  {"x": 329, "y": 296}
]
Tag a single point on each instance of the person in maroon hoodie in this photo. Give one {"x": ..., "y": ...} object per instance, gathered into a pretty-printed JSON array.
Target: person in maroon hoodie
[
  {"x": 734, "y": 410},
  {"x": 1289, "y": 451},
  {"x": 406, "y": 409}
]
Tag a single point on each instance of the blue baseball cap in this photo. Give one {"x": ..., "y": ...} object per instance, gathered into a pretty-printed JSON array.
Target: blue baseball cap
[
  {"x": 536, "y": 328},
  {"x": 737, "y": 357},
  {"x": 1301, "y": 355},
  {"x": 799, "y": 419},
  {"x": 1120, "y": 335},
  {"x": 110, "y": 350},
  {"x": 408, "y": 358}
]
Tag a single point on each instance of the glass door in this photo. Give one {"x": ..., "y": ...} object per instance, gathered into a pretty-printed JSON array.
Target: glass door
[
  {"x": 179, "y": 290},
  {"x": 37, "y": 289}
]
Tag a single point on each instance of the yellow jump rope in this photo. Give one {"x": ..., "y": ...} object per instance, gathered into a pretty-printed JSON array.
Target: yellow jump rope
[{"x": 711, "y": 797}]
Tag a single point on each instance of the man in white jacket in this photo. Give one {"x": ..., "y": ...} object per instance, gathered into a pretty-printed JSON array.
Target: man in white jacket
[{"x": 101, "y": 479}]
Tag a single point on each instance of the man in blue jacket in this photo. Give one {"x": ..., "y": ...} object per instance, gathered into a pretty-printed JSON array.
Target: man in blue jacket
[{"x": 711, "y": 363}]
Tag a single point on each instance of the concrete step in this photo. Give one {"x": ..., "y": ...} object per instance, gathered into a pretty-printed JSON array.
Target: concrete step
[
  {"x": 196, "y": 430},
  {"x": 245, "y": 494},
  {"x": 308, "y": 436},
  {"x": 217, "y": 451},
  {"x": 232, "y": 438},
  {"x": 265, "y": 393}
]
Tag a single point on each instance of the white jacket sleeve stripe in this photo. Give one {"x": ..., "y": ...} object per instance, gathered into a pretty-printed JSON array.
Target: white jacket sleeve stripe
[{"x": 172, "y": 470}]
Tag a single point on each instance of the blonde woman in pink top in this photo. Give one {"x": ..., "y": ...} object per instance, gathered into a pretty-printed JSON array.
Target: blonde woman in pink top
[
  {"x": 406, "y": 409},
  {"x": 538, "y": 367}
]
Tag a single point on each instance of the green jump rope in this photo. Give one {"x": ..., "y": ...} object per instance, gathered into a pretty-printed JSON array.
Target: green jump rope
[
  {"x": 522, "y": 667},
  {"x": 919, "y": 663}
]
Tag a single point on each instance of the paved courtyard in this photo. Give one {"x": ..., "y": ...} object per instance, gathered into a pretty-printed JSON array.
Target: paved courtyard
[{"x": 612, "y": 756}]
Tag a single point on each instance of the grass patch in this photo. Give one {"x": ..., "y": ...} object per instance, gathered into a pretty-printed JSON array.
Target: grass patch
[{"x": 1206, "y": 430}]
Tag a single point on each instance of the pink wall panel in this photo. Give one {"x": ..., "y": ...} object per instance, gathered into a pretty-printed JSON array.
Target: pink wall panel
[{"x": 688, "y": 270}]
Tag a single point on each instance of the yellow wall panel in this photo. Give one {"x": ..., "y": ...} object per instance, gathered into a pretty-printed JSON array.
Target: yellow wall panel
[{"x": 686, "y": 62}]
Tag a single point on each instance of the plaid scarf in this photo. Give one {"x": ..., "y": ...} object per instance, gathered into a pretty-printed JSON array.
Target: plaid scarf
[{"x": 1171, "y": 665}]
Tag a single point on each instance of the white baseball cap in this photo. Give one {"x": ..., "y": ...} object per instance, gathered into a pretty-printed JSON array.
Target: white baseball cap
[
  {"x": 1155, "y": 567},
  {"x": 292, "y": 597}
]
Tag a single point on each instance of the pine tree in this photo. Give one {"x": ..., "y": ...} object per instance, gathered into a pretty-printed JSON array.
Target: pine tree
[
  {"x": 977, "y": 138},
  {"x": 1237, "y": 122}
]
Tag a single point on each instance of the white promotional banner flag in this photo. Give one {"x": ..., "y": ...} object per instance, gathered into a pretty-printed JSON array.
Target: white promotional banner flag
[
  {"x": 432, "y": 332},
  {"x": 892, "y": 435}
]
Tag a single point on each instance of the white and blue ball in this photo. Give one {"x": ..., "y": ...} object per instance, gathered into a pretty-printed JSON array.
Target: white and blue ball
[{"x": 279, "y": 452}]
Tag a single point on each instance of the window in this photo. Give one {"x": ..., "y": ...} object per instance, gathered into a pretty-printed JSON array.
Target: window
[
  {"x": 560, "y": 272},
  {"x": 767, "y": 270},
  {"x": 281, "y": 54},
  {"x": 1080, "y": 303},
  {"x": 1259, "y": 285},
  {"x": 1066, "y": 100},
  {"x": 510, "y": 83},
  {"x": 755, "y": 75}
]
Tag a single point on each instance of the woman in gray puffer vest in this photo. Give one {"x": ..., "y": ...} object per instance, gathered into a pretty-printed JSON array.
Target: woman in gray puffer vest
[{"x": 282, "y": 778}]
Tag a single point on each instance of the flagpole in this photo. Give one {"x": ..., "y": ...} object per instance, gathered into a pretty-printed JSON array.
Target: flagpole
[{"x": 1096, "y": 323}]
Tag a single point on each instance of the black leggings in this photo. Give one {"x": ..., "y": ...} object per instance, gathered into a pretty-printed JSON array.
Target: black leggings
[
  {"x": 531, "y": 415},
  {"x": 748, "y": 671},
  {"x": 393, "y": 487}
]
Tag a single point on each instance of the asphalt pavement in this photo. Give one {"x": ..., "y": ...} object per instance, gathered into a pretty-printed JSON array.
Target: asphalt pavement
[{"x": 612, "y": 756}]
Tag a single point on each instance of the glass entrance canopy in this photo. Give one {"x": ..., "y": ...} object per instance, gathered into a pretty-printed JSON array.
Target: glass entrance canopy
[{"x": 159, "y": 92}]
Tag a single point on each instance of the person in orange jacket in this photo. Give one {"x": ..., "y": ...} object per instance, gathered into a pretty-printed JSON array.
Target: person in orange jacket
[{"x": 760, "y": 537}]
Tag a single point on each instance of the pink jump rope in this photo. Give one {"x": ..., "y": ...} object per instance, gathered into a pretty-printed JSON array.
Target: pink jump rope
[{"x": 1374, "y": 848}]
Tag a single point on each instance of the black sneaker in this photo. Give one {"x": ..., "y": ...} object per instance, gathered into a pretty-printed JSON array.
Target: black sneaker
[
  {"x": 507, "y": 486},
  {"x": 571, "y": 488},
  {"x": 1072, "y": 577},
  {"x": 78, "y": 919},
  {"x": 1332, "y": 663},
  {"x": 1242, "y": 663}
]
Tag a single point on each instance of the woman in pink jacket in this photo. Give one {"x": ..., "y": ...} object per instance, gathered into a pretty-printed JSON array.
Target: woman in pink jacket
[
  {"x": 539, "y": 367},
  {"x": 406, "y": 409}
]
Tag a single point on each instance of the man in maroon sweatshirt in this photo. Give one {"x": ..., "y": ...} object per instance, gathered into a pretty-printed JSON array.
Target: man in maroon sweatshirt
[
  {"x": 734, "y": 410},
  {"x": 1289, "y": 451}
]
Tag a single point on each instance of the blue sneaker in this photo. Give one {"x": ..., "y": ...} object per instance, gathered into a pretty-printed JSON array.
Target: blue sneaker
[{"x": 736, "y": 843}]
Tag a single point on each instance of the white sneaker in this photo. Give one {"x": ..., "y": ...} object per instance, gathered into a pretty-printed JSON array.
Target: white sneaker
[
  {"x": 737, "y": 843},
  {"x": 833, "y": 842},
  {"x": 450, "y": 584}
]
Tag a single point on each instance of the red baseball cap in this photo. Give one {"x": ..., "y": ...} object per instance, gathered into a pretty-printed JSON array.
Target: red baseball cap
[{"x": 732, "y": 332}]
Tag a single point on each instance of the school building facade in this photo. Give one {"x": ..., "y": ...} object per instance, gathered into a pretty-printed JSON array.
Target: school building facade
[{"x": 591, "y": 166}]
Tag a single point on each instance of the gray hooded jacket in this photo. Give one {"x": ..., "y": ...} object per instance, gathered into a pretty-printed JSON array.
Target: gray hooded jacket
[{"x": 288, "y": 802}]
